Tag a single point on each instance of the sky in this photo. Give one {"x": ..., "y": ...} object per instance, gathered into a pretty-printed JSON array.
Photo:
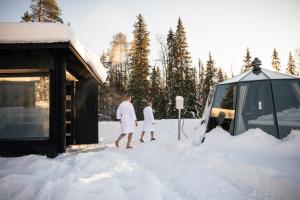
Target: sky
[{"x": 223, "y": 27}]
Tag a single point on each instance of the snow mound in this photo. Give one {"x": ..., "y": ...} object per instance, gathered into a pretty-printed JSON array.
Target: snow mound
[{"x": 253, "y": 165}]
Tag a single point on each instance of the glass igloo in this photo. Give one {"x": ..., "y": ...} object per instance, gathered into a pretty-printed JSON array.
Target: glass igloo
[{"x": 258, "y": 98}]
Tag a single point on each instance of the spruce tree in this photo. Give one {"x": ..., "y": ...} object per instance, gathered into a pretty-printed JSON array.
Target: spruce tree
[
  {"x": 157, "y": 94},
  {"x": 43, "y": 11},
  {"x": 184, "y": 76},
  {"x": 106, "y": 109},
  {"x": 119, "y": 55},
  {"x": 220, "y": 76},
  {"x": 225, "y": 76},
  {"x": 210, "y": 78},
  {"x": 170, "y": 75},
  {"x": 170, "y": 60},
  {"x": 200, "y": 85},
  {"x": 291, "y": 66},
  {"x": 116, "y": 62},
  {"x": 26, "y": 17},
  {"x": 182, "y": 59},
  {"x": 139, "y": 86},
  {"x": 247, "y": 61},
  {"x": 275, "y": 60},
  {"x": 192, "y": 106},
  {"x": 108, "y": 98}
]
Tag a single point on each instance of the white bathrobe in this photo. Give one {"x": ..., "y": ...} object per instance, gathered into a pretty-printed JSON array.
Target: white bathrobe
[
  {"x": 148, "y": 125},
  {"x": 127, "y": 116}
]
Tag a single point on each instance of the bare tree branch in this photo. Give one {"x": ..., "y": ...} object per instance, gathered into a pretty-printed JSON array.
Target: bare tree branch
[{"x": 163, "y": 56}]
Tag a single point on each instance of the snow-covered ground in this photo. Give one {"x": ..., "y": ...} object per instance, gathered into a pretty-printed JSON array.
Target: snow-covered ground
[{"x": 253, "y": 165}]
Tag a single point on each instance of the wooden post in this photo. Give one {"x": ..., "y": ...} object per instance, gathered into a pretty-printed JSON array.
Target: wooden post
[{"x": 60, "y": 74}]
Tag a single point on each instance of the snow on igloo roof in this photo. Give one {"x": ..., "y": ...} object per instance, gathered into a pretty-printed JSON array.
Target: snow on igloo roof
[
  {"x": 37, "y": 32},
  {"x": 265, "y": 74}
]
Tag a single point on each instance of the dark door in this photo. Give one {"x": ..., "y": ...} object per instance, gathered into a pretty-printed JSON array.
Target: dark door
[{"x": 86, "y": 112}]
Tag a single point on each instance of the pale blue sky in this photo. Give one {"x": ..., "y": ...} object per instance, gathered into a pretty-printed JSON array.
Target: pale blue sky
[{"x": 224, "y": 27}]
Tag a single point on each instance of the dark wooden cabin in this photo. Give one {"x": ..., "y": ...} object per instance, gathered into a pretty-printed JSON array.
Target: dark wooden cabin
[{"x": 48, "y": 90}]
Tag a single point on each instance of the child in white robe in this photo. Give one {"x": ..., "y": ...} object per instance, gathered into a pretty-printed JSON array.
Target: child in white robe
[
  {"x": 127, "y": 118},
  {"x": 148, "y": 125}
]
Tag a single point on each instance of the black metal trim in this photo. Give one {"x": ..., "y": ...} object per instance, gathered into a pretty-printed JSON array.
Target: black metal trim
[
  {"x": 34, "y": 45},
  {"x": 258, "y": 80},
  {"x": 235, "y": 109},
  {"x": 30, "y": 74},
  {"x": 44, "y": 74},
  {"x": 274, "y": 110},
  {"x": 53, "y": 45},
  {"x": 213, "y": 100}
]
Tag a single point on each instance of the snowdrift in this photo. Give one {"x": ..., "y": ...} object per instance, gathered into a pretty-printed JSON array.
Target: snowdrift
[{"x": 253, "y": 165}]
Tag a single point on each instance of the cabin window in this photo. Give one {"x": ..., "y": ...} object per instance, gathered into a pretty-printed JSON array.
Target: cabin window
[
  {"x": 287, "y": 105},
  {"x": 255, "y": 108},
  {"x": 24, "y": 107},
  {"x": 223, "y": 108}
]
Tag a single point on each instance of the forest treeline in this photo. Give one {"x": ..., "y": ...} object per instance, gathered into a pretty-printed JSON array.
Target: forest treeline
[{"x": 173, "y": 74}]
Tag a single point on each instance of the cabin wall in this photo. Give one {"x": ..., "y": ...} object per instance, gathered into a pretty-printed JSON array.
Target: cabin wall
[
  {"x": 12, "y": 59},
  {"x": 53, "y": 62}
]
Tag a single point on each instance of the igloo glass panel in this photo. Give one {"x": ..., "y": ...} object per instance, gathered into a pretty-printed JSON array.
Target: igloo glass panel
[
  {"x": 222, "y": 111},
  {"x": 287, "y": 105},
  {"x": 255, "y": 108},
  {"x": 24, "y": 107}
]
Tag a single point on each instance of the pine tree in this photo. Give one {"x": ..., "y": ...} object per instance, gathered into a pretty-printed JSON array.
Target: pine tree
[
  {"x": 210, "y": 78},
  {"x": 170, "y": 59},
  {"x": 275, "y": 60},
  {"x": 116, "y": 62},
  {"x": 247, "y": 61},
  {"x": 220, "y": 76},
  {"x": 43, "y": 11},
  {"x": 225, "y": 76},
  {"x": 200, "y": 85},
  {"x": 157, "y": 95},
  {"x": 291, "y": 67},
  {"x": 104, "y": 59},
  {"x": 170, "y": 77},
  {"x": 192, "y": 106},
  {"x": 182, "y": 59},
  {"x": 106, "y": 109},
  {"x": 139, "y": 86},
  {"x": 108, "y": 98},
  {"x": 26, "y": 17},
  {"x": 184, "y": 76},
  {"x": 119, "y": 57}
]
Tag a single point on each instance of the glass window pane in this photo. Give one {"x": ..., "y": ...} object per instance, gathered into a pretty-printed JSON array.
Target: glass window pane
[
  {"x": 24, "y": 107},
  {"x": 287, "y": 104},
  {"x": 222, "y": 112},
  {"x": 255, "y": 108}
]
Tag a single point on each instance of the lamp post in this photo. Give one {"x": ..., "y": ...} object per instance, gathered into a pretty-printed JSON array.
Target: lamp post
[{"x": 179, "y": 107}]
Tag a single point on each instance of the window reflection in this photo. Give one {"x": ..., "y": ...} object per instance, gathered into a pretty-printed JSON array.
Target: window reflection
[
  {"x": 223, "y": 108},
  {"x": 24, "y": 107},
  {"x": 287, "y": 104},
  {"x": 255, "y": 108}
]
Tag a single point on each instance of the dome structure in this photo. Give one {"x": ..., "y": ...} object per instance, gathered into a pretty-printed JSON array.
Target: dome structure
[{"x": 258, "y": 98}]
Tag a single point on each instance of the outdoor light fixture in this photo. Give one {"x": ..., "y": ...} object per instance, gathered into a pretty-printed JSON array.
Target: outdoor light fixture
[{"x": 179, "y": 107}]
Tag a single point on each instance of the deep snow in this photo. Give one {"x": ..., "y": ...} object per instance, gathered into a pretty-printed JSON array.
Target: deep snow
[{"x": 253, "y": 165}]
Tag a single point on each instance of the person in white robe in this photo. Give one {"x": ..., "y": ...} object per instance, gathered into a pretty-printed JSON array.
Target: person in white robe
[
  {"x": 126, "y": 116},
  {"x": 148, "y": 125}
]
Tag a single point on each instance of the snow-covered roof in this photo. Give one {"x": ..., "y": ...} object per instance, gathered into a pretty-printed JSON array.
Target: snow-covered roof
[
  {"x": 30, "y": 32},
  {"x": 265, "y": 74}
]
